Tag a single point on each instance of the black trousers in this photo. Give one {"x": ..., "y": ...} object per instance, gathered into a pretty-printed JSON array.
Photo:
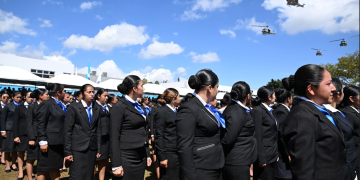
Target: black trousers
[
  {"x": 83, "y": 165},
  {"x": 172, "y": 171},
  {"x": 265, "y": 173},
  {"x": 133, "y": 163},
  {"x": 208, "y": 174},
  {"x": 239, "y": 172}
]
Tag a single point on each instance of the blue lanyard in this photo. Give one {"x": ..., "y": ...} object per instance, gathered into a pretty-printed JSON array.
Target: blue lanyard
[
  {"x": 16, "y": 104},
  {"x": 88, "y": 109},
  {"x": 136, "y": 106},
  {"x": 62, "y": 106},
  {"x": 104, "y": 108},
  {"x": 321, "y": 109},
  {"x": 219, "y": 117}
]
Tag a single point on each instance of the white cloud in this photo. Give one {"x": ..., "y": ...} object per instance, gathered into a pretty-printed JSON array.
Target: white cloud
[
  {"x": 229, "y": 32},
  {"x": 98, "y": 17},
  {"x": 158, "y": 49},
  {"x": 33, "y": 52},
  {"x": 146, "y": 69},
  {"x": 45, "y": 23},
  {"x": 118, "y": 35},
  {"x": 89, "y": 5},
  {"x": 57, "y": 58},
  {"x": 327, "y": 16},
  {"x": 204, "y": 58},
  {"x": 52, "y": 2},
  {"x": 72, "y": 52},
  {"x": 206, "y": 6},
  {"x": 11, "y": 23},
  {"x": 8, "y": 47},
  {"x": 247, "y": 24},
  {"x": 175, "y": 33},
  {"x": 252, "y": 40},
  {"x": 181, "y": 71}
]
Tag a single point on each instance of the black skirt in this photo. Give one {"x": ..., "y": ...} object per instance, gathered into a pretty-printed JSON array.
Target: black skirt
[
  {"x": 83, "y": 165},
  {"x": 280, "y": 170},
  {"x": 173, "y": 169},
  {"x": 23, "y": 145},
  {"x": 8, "y": 144},
  {"x": 52, "y": 160},
  {"x": 33, "y": 151},
  {"x": 104, "y": 148},
  {"x": 133, "y": 163}
]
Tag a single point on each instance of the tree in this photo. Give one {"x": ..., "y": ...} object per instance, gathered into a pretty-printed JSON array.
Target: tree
[
  {"x": 275, "y": 84},
  {"x": 145, "y": 81},
  {"x": 157, "y": 82},
  {"x": 347, "y": 69}
]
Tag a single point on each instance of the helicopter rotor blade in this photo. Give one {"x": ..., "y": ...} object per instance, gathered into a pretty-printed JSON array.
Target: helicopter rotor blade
[
  {"x": 353, "y": 36},
  {"x": 337, "y": 40},
  {"x": 259, "y": 26},
  {"x": 314, "y": 49}
]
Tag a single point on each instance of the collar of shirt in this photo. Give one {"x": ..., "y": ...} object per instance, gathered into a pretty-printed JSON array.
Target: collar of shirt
[
  {"x": 330, "y": 108},
  {"x": 168, "y": 105},
  {"x": 129, "y": 99},
  {"x": 102, "y": 105},
  {"x": 355, "y": 109},
  {"x": 267, "y": 107},
  {"x": 38, "y": 102},
  {"x": 26, "y": 104},
  {"x": 285, "y": 106},
  {"x": 109, "y": 105},
  {"x": 201, "y": 100},
  {"x": 84, "y": 103},
  {"x": 241, "y": 104},
  {"x": 306, "y": 99},
  {"x": 2, "y": 103}
]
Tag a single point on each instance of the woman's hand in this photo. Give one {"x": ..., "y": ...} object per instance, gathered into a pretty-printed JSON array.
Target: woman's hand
[
  {"x": 44, "y": 148},
  {"x": 119, "y": 172},
  {"x": 98, "y": 155},
  {"x": 164, "y": 163},
  {"x": 32, "y": 143},
  {"x": 69, "y": 158},
  {"x": 17, "y": 140},
  {"x": 262, "y": 165},
  {"x": 3, "y": 134},
  {"x": 149, "y": 161}
]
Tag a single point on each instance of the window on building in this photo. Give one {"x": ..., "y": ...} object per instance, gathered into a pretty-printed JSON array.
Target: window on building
[
  {"x": 43, "y": 73},
  {"x": 33, "y": 70}
]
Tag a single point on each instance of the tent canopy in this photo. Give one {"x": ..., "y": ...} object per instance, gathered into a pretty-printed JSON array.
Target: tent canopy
[
  {"x": 15, "y": 75},
  {"x": 70, "y": 81},
  {"x": 154, "y": 89},
  {"x": 110, "y": 84}
]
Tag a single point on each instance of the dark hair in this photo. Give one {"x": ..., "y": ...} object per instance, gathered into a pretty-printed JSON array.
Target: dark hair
[
  {"x": 225, "y": 100},
  {"x": 37, "y": 93},
  {"x": 309, "y": 74},
  {"x": 100, "y": 92},
  {"x": 338, "y": 85},
  {"x": 264, "y": 92},
  {"x": 240, "y": 90},
  {"x": 255, "y": 101},
  {"x": 83, "y": 88},
  {"x": 15, "y": 93},
  {"x": 168, "y": 95},
  {"x": 53, "y": 88},
  {"x": 110, "y": 98},
  {"x": 187, "y": 97},
  {"x": 128, "y": 83},
  {"x": 203, "y": 78},
  {"x": 350, "y": 90},
  {"x": 282, "y": 95},
  {"x": 77, "y": 94}
]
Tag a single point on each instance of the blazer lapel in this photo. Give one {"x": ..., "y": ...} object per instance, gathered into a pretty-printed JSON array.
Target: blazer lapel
[
  {"x": 130, "y": 107},
  {"x": 57, "y": 107},
  {"x": 172, "y": 113},
  {"x": 95, "y": 114},
  {"x": 206, "y": 111},
  {"x": 83, "y": 112}
]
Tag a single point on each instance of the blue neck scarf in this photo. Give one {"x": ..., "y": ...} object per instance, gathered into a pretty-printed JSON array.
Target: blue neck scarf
[
  {"x": 247, "y": 110},
  {"x": 16, "y": 104},
  {"x": 219, "y": 117},
  {"x": 88, "y": 109},
  {"x": 136, "y": 106},
  {"x": 322, "y": 109},
  {"x": 62, "y": 106},
  {"x": 147, "y": 110},
  {"x": 104, "y": 108}
]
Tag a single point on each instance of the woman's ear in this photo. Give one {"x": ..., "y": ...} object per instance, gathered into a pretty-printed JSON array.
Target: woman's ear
[
  {"x": 310, "y": 89},
  {"x": 352, "y": 99}
]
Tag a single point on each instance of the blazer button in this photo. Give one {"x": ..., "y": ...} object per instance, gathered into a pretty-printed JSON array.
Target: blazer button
[
  {"x": 344, "y": 149},
  {"x": 346, "y": 164}
]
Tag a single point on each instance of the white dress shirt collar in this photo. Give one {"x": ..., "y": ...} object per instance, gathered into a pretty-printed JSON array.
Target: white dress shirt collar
[
  {"x": 168, "y": 105},
  {"x": 267, "y": 107},
  {"x": 201, "y": 100},
  {"x": 330, "y": 108},
  {"x": 241, "y": 104},
  {"x": 285, "y": 106},
  {"x": 355, "y": 109}
]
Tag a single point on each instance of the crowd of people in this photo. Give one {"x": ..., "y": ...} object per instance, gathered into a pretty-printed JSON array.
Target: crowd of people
[{"x": 310, "y": 129}]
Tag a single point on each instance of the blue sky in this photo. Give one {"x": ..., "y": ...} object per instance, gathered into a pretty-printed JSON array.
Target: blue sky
[{"x": 165, "y": 39}]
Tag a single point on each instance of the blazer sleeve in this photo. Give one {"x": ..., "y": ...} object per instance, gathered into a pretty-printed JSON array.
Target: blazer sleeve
[
  {"x": 43, "y": 117},
  {"x": 98, "y": 130},
  {"x": 300, "y": 137},
  {"x": 3, "y": 118},
  {"x": 185, "y": 130},
  {"x": 16, "y": 122},
  {"x": 257, "y": 117},
  {"x": 29, "y": 121},
  {"x": 159, "y": 135},
  {"x": 116, "y": 121},
  {"x": 234, "y": 124},
  {"x": 68, "y": 128}
]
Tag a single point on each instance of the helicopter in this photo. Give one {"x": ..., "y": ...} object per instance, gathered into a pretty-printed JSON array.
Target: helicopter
[
  {"x": 318, "y": 52},
  {"x": 294, "y": 3},
  {"x": 266, "y": 30},
  {"x": 343, "y": 42}
]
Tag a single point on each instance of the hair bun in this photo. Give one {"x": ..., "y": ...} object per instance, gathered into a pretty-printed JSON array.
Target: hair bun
[
  {"x": 33, "y": 94},
  {"x": 234, "y": 94},
  {"x": 48, "y": 86},
  {"x": 194, "y": 82},
  {"x": 122, "y": 88},
  {"x": 289, "y": 83}
]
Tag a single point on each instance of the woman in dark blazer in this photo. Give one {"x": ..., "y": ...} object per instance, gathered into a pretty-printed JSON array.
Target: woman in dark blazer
[
  {"x": 284, "y": 100},
  {"x": 112, "y": 100},
  {"x": 165, "y": 135},
  {"x": 266, "y": 133},
  {"x": 350, "y": 108},
  {"x": 345, "y": 125},
  {"x": 3, "y": 101},
  {"x": 82, "y": 135},
  {"x": 128, "y": 132},
  {"x": 239, "y": 142},
  {"x": 199, "y": 148},
  {"x": 50, "y": 133},
  {"x": 101, "y": 98},
  {"x": 7, "y": 122},
  {"x": 39, "y": 95},
  {"x": 315, "y": 144},
  {"x": 20, "y": 132}
]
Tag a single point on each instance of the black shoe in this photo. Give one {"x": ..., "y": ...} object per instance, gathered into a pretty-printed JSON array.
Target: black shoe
[
  {"x": 7, "y": 171},
  {"x": 14, "y": 169},
  {"x": 20, "y": 178},
  {"x": 2, "y": 163},
  {"x": 64, "y": 170},
  {"x": 60, "y": 170},
  {"x": 33, "y": 176}
]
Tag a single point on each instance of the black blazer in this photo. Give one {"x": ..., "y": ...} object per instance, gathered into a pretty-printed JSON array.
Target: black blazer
[
  {"x": 104, "y": 120},
  {"x": 7, "y": 117},
  {"x": 280, "y": 113},
  {"x": 353, "y": 118},
  {"x": 127, "y": 130},
  {"x": 50, "y": 123},
  {"x": 152, "y": 119},
  {"x": 316, "y": 147},
  {"x": 266, "y": 133},
  {"x": 198, "y": 139},
  {"x": 239, "y": 141},
  {"x": 79, "y": 135},
  {"x": 165, "y": 132},
  {"x": 20, "y": 123},
  {"x": 31, "y": 119}
]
